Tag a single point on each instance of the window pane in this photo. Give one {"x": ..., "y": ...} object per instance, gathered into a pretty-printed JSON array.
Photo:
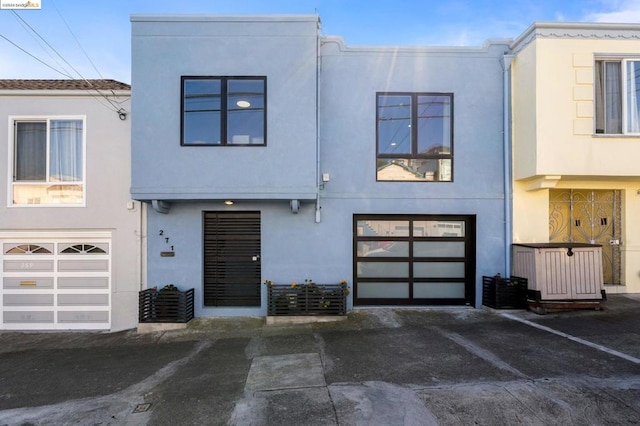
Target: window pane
[
  {"x": 612, "y": 98},
  {"x": 438, "y": 290},
  {"x": 381, "y": 228},
  {"x": 245, "y": 111},
  {"x": 439, "y": 228},
  {"x": 383, "y": 290},
  {"x": 419, "y": 170},
  {"x": 394, "y": 124},
  {"x": 438, "y": 249},
  {"x": 202, "y": 112},
  {"x": 31, "y": 151},
  {"x": 383, "y": 269},
  {"x": 65, "y": 162},
  {"x": 47, "y": 193},
  {"x": 633, "y": 99},
  {"x": 383, "y": 249},
  {"x": 438, "y": 269},
  {"x": 434, "y": 125}
]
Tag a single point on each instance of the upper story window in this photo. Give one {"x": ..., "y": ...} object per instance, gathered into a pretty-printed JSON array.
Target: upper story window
[
  {"x": 617, "y": 82},
  {"x": 415, "y": 137},
  {"x": 48, "y": 161},
  {"x": 224, "y": 111}
]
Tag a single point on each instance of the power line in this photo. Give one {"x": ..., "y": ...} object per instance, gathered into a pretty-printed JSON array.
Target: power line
[
  {"x": 114, "y": 107},
  {"x": 36, "y": 58},
  {"x": 25, "y": 26},
  {"x": 111, "y": 106},
  {"x": 76, "y": 39}
]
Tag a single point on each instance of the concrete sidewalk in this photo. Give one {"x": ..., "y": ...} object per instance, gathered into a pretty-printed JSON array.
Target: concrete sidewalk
[{"x": 379, "y": 367}]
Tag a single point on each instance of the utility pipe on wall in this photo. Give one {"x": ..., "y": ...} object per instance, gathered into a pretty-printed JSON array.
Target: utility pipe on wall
[
  {"x": 506, "y": 140},
  {"x": 318, "y": 171}
]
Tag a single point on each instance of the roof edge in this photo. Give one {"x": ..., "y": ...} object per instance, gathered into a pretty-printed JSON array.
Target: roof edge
[
  {"x": 530, "y": 32},
  {"x": 71, "y": 85},
  {"x": 169, "y": 17},
  {"x": 57, "y": 92},
  {"x": 344, "y": 47}
]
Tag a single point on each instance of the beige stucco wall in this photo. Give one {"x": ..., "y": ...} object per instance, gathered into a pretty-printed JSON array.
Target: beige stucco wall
[
  {"x": 565, "y": 143},
  {"x": 524, "y": 111},
  {"x": 531, "y": 222},
  {"x": 554, "y": 145}
]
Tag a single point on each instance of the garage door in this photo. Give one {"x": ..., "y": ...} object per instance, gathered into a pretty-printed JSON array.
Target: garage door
[
  {"x": 61, "y": 284},
  {"x": 414, "y": 260}
]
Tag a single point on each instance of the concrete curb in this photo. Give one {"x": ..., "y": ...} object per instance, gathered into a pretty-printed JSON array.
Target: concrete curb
[{"x": 304, "y": 319}]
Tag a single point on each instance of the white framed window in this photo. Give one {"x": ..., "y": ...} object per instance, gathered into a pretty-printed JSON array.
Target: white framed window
[
  {"x": 617, "y": 101},
  {"x": 47, "y": 161}
]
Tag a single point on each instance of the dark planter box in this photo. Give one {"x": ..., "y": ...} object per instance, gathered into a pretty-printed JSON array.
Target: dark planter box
[
  {"x": 504, "y": 293},
  {"x": 165, "y": 306},
  {"x": 306, "y": 299}
]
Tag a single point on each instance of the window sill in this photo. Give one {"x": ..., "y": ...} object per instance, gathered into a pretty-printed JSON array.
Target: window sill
[{"x": 616, "y": 135}]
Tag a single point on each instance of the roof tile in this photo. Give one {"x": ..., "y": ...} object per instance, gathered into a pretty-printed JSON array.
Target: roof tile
[{"x": 63, "y": 85}]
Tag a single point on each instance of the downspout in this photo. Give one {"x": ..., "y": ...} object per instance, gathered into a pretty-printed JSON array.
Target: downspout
[
  {"x": 506, "y": 140},
  {"x": 143, "y": 246},
  {"x": 318, "y": 171}
]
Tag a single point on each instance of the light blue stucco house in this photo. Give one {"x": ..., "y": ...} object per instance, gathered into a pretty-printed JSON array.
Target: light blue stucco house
[{"x": 267, "y": 150}]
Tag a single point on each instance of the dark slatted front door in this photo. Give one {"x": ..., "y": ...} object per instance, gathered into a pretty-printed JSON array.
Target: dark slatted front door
[{"x": 232, "y": 258}]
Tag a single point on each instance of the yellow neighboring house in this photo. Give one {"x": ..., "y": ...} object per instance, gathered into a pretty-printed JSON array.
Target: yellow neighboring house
[{"x": 575, "y": 91}]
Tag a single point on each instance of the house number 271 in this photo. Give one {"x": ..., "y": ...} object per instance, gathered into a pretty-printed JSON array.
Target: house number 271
[{"x": 166, "y": 239}]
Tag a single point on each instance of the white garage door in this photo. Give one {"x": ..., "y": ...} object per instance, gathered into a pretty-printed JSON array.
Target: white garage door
[{"x": 62, "y": 284}]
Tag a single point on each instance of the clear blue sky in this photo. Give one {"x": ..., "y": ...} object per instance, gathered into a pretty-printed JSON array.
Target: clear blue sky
[{"x": 103, "y": 27}]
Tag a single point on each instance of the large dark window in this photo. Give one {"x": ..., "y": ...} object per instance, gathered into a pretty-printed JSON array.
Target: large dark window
[
  {"x": 224, "y": 111},
  {"x": 415, "y": 137}
]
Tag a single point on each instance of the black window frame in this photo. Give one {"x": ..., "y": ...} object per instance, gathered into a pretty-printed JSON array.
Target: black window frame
[
  {"x": 414, "y": 135},
  {"x": 223, "y": 109},
  {"x": 469, "y": 259}
]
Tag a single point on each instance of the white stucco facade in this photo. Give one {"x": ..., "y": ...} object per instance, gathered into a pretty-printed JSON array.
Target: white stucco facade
[{"x": 88, "y": 274}]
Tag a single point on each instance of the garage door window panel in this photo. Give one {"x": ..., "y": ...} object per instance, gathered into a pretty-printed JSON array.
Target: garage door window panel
[
  {"x": 438, "y": 290},
  {"x": 438, "y": 269},
  {"x": 384, "y": 290},
  {"x": 438, "y": 249}
]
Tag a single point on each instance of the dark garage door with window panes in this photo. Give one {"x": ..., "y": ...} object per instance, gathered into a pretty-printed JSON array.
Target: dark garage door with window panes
[{"x": 414, "y": 259}]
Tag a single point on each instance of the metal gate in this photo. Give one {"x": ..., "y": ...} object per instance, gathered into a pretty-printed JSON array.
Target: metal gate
[
  {"x": 232, "y": 258},
  {"x": 589, "y": 216}
]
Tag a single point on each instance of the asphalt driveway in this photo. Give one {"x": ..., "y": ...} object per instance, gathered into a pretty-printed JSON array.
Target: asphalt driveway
[{"x": 377, "y": 367}]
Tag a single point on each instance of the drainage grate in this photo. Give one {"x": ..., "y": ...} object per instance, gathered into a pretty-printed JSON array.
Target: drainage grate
[{"x": 141, "y": 408}]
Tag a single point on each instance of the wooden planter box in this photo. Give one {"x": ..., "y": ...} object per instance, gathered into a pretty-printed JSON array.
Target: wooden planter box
[
  {"x": 504, "y": 293},
  {"x": 165, "y": 306},
  {"x": 306, "y": 299}
]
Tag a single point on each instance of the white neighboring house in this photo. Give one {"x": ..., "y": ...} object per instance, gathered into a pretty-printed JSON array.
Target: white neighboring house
[{"x": 69, "y": 232}]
